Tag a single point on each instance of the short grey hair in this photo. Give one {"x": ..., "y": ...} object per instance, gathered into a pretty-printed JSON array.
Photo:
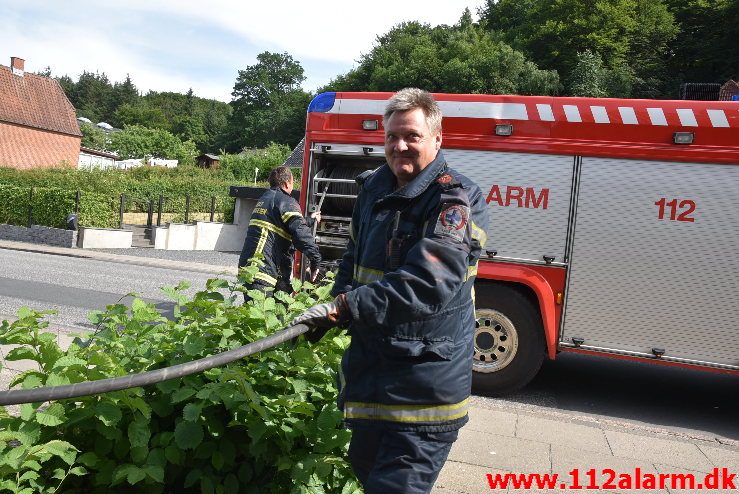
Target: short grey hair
[
  {"x": 280, "y": 175},
  {"x": 412, "y": 98}
]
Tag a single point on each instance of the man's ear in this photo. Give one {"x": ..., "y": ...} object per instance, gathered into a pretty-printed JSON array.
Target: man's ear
[{"x": 437, "y": 144}]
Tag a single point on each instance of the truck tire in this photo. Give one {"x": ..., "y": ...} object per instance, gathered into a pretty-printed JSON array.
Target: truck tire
[{"x": 509, "y": 339}]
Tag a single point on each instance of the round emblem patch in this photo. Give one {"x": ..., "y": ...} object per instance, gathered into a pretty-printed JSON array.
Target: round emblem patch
[{"x": 452, "y": 221}]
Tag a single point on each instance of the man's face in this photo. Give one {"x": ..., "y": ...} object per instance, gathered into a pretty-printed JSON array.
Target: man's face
[{"x": 409, "y": 144}]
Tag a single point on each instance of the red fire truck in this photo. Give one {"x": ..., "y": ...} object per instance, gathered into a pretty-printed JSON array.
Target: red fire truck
[{"x": 614, "y": 223}]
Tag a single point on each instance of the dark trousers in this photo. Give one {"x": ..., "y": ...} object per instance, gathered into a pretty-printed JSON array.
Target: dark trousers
[{"x": 398, "y": 462}]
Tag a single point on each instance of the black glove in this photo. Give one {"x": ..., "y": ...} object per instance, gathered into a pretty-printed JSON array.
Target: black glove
[{"x": 322, "y": 317}]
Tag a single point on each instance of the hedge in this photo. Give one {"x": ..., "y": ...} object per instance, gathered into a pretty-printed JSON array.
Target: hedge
[{"x": 51, "y": 206}]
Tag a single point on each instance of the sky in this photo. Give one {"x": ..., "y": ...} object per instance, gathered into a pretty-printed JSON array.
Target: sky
[{"x": 175, "y": 45}]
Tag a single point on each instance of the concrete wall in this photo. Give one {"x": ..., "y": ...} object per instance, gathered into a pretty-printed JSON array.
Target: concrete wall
[
  {"x": 204, "y": 235},
  {"x": 104, "y": 238},
  {"x": 25, "y": 147},
  {"x": 39, "y": 235}
]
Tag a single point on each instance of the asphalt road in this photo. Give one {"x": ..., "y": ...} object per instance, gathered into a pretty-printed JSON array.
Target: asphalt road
[
  {"x": 75, "y": 286},
  {"x": 685, "y": 402}
]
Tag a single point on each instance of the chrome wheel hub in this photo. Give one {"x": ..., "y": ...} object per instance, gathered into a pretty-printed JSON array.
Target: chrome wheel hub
[{"x": 496, "y": 341}]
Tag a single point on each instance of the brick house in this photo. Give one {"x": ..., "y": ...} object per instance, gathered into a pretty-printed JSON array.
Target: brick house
[{"x": 38, "y": 125}]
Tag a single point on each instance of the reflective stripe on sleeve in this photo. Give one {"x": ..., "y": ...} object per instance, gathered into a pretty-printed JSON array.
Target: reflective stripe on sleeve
[
  {"x": 367, "y": 275},
  {"x": 290, "y": 214},
  {"x": 269, "y": 226},
  {"x": 406, "y": 413},
  {"x": 479, "y": 234}
]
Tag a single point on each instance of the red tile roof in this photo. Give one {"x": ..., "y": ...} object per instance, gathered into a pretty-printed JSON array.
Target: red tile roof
[{"x": 36, "y": 101}]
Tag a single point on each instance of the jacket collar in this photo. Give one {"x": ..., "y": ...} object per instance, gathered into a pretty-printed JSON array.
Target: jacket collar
[
  {"x": 386, "y": 180},
  {"x": 278, "y": 188}
]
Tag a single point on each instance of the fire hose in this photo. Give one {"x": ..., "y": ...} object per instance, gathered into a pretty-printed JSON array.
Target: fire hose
[{"x": 51, "y": 393}]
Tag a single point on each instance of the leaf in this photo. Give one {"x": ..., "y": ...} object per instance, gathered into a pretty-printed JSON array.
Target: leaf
[
  {"x": 24, "y": 312},
  {"x": 140, "y": 405},
  {"x": 328, "y": 419},
  {"x": 23, "y": 353},
  {"x": 139, "y": 433},
  {"x": 108, "y": 413},
  {"x": 31, "y": 465},
  {"x": 95, "y": 316},
  {"x": 155, "y": 472},
  {"x": 188, "y": 435},
  {"x": 138, "y": 305},
  {"x": 29, "y": 379},
  {"x": 182, "y": 394},
  {"x": 69, "y": 361},
  {"x": 79, "y": 471},
  {"x": 27, "y": 411},
  {"x": 131, "y": 473},
  {"x": 231, "y": 484},
  {"x": 206, "y": 485},
  {"x": 173, "y": 454},
  {"x": 30, "y": 475},
  {"x": 351, "y": 487},
  {"x": 217, "y": 460},
  {"x": 88, "y": 459},
  {"x": 192, "y": 477},
  {"x": 191, "y": 412},
  {"x": 52, "y": 416},
  {"x": 194, "y": 345},
  {"x": 55, "y": 379},
  {"x": 216, "y": 283},
  {"x": 62, "y": 449}
]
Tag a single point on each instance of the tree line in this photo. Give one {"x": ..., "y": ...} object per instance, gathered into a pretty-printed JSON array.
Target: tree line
[{"x": 602, "y": 48}]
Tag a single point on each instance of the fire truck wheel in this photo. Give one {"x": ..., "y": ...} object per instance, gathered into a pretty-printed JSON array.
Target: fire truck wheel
[{"x": 509, "y": 340}]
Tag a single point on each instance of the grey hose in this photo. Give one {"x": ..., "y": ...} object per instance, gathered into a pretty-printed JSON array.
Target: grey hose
[{"x": 18, "y": 396}]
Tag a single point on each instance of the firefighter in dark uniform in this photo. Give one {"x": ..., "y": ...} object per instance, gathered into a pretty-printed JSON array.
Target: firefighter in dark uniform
[
  {"x": 404, "y": 290},
  {"x": 276, "y": 224}
]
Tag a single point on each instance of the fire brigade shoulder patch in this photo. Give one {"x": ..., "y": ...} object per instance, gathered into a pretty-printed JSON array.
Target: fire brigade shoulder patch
[
  {"x": 444, "y": 179},
  {"x": 452, "y": 221}
]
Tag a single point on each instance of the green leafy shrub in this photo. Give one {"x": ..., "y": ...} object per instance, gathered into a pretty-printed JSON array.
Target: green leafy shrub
[
  {"x": 267, "y": 423},
  {"x": 52, "y": 205},
  {"x": 254, "y": 164}
]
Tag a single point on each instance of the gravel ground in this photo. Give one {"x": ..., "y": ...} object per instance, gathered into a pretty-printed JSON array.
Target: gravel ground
[{"x": 202, "y": 256}]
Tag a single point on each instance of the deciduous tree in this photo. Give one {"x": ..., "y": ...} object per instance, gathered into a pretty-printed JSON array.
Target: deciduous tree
[
  {"x": 462, "y": 58},
  {"x": 268, "y": 104}
]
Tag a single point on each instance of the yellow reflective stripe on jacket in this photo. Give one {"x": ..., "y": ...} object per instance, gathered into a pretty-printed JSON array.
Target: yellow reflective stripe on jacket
[
  {"x": 263, "y": 234},
  {"x": 274, "y": 229},
  {"x": 367, "y": 275},
  {"x": 265, "y": 277},
  {"x": 406, "y": 413},
  {"x": 471, "y": 271},
  {"x": 479, "y": 234},
  {"x": 290, "y": 214}
]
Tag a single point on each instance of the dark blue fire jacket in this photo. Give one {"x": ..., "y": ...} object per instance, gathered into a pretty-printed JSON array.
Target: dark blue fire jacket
[
  {"x": 275, "y": 224},
  {"x": 408, "y": 274}
]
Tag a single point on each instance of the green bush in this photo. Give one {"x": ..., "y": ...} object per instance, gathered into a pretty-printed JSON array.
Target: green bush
[
  {"x": 267, "y": 423},
  {"x": 52, "y": 205},
  {"x": 243, "y": 166}
]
